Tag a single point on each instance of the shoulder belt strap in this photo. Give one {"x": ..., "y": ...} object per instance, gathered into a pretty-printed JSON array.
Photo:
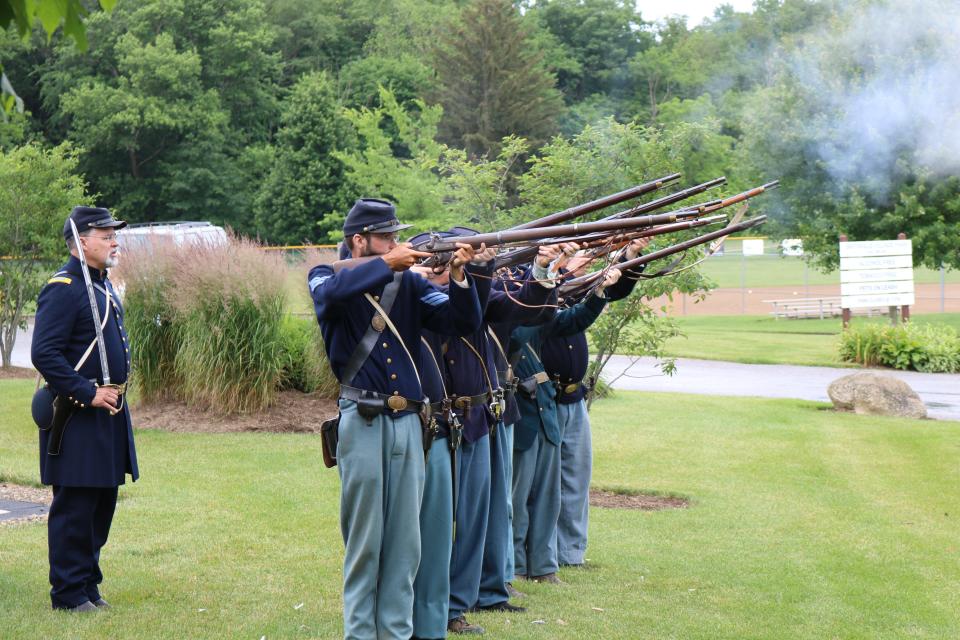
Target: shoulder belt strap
[{"x": 365, "y": 346}]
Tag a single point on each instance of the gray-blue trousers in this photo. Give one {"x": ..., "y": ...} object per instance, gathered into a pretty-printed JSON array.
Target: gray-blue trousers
[
  {"x": 536, "y": 507},
  {"x": 498, "y": 546},
  {"x": 473, "y": 506},
  {"x": 576, "y": 467},
  {"x": 382, "y": 474},
  {"x": 431, "y": 590}
]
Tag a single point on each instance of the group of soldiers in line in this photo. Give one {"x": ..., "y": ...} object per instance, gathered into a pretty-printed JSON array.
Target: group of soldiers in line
[{"x": 463, "y": 442}]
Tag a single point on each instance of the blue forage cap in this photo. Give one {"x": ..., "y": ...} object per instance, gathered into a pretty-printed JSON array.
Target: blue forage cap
[
  {"x": 370, "y": 215},
  {"x": 91, "y": 218}
]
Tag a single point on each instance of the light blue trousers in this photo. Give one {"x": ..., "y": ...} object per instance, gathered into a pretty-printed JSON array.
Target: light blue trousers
[
  {"x": 576, "y": 467},
  {"x": 431, "y": 589},
  {"x": 381, "y": 474},
  {"x": 498, "y": 546},
  {"x": 473, "y": 506},
  {"x": 536, "y": 507}
]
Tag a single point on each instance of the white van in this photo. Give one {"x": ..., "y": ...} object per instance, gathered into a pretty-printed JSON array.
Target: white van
[{"x": 143, "y": 235}]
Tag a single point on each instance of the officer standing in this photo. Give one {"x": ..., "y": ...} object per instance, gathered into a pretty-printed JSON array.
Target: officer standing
[
  {"x": 371, "y": 316},
  {"x": 87, "y": 449}
]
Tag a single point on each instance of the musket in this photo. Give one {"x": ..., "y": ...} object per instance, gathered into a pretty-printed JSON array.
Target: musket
[
  {"x": 438, "y": 244},
  {"x": 577, "y": 284},
  {"x": 527, "y": 254},
  {"x": 596, "y": 205}
]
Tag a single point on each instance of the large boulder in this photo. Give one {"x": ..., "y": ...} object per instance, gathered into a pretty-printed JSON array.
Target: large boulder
[{"x": 875, "y": 394}]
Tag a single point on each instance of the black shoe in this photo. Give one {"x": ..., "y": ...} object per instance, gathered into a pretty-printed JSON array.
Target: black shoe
[
  {"x": 513, "y": 593},
  {"x": 86, "y": 607},
  {"x": 549, "y": 578},
  {"x": 100, "y": 603},
  {"x": 460, "y": 625},
  {"x": 504, "y": 606}
]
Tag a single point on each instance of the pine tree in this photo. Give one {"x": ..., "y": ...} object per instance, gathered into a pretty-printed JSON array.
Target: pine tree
[
  {"x": 492, "y": 83},
  {"x": 307, "y": 182}
]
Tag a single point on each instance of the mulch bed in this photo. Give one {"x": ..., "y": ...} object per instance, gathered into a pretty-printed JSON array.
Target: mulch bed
[
  {"x": 12, "y": 373},
  {"x": 294, "y": 412},
  {"x": 642, "y": 501}
]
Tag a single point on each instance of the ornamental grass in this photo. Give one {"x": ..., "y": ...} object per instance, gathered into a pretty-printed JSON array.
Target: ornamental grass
[{"x": 208, "y": 325}]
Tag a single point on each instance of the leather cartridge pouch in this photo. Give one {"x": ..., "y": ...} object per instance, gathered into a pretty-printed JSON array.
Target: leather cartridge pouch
[
  {"x": 528, "y": 386},
  {"x": 329, "y": 437},
  {"x": 369, "y": 406}
]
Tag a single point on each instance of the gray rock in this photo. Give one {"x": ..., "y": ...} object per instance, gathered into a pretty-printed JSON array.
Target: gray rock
[{"x": 876, "y": 394}]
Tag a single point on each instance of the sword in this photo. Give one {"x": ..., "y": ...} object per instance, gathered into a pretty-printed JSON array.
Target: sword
[{"x": 91, "y": 296}]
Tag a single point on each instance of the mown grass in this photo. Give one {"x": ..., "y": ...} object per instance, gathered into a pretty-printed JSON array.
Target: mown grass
[
  {"x": 804, "y": 524},
  {"x": 734, "y": 271},
  {"x": 763, "y": 340}
]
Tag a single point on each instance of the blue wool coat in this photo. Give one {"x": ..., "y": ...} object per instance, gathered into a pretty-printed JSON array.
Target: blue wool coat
[
  {"x": 97, "y": 448},
  {"x": 344, "y": 315}
]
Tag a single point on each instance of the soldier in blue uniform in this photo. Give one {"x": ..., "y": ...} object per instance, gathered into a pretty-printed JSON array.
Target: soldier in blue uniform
[
  {"x": 565, "y": 359},
  {"x": 90, "y": 457},
  {"x": 536, "y": 460},
  {"x": 380, "y": 450}
]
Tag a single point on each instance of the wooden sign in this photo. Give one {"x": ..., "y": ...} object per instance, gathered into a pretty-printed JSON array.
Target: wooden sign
[{"x": 876, "y": 274}]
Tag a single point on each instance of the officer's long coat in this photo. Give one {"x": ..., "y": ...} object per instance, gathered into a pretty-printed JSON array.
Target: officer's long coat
[{"x": 97, "y": 448}]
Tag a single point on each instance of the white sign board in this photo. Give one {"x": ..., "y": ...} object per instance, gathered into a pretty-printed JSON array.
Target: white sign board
[
  {"x": 876, "y": 274},
  {"x": 752, "y": 246}
]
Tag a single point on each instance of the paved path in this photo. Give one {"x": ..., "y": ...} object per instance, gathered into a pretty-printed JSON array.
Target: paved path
[{"x": 939, "y": 391}]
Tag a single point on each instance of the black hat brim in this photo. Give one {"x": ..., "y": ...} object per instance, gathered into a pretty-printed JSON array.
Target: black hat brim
[
  {"x": 108, "y": 224},
  {"x": 392, "y": 228}
]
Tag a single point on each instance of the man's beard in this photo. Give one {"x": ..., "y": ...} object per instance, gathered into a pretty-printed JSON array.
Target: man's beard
[{"x": 111, "y": 261}]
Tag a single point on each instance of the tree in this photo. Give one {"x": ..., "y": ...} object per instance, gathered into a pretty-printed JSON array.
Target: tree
[
  {"x": 38, "y": 188},
  {"x": 598, "y": 36},
  {"x": 491, "y": 83},
  {"x": 51, "y": 15},
  {"x": 396, "y": 158},
  {"x": 307, "y": 182}
]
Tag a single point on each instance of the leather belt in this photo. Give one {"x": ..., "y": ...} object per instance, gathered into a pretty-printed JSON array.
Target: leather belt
[
  {"x": 465, "y": 403},
  {"x": 394, "y": 402},
  {"x": 509, "y": 385}
]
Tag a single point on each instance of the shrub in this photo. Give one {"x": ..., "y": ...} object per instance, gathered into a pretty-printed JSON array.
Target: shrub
[
  {"x": 926, "y": 347},
  {"x": 305, "y": 364}
]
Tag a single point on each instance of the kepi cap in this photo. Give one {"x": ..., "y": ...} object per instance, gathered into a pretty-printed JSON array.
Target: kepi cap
[
  {"x": 371, "y": 215},
  {"x": 90, "y": 218}
]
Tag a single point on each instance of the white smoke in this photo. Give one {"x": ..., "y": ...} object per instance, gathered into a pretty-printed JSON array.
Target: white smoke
[{"x": 888, "y": 87}]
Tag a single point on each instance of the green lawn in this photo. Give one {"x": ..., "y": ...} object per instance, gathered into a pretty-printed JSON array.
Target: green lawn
[
  {"x": 804, "y": 524},
  {"x": 763, "y": 340},
  {"x": 734, "y": 271}
]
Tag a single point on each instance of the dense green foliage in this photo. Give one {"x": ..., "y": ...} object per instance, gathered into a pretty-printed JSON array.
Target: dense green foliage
[
  {"x": 190, "y": 109},
  {"x": 919, "y": 347},
  {"x": 37, "y": 187}
]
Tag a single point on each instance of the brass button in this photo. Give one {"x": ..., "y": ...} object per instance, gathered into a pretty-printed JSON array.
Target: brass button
[
  {"x": 384, "y": 345},
  {"x": 389, "y": 360},
  {"x": 523, "y": 357},
  {"x": 452, "y": 362},
  {"x": 393, "y": 376},
  {"x": 569, "y": 346},
  {"x": 396, "y": 393},
  {"x": 377, "y": 298}
]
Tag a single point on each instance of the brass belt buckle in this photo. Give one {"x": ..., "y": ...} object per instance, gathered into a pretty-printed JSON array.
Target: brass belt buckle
[
  {"x": 570, "y": 388},
  {"x": 397, "y": 403},
  {"x": 463, "y": 403}
]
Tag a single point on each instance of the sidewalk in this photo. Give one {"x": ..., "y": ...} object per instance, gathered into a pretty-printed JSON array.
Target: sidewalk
[{"x": 939, "y": 391}]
